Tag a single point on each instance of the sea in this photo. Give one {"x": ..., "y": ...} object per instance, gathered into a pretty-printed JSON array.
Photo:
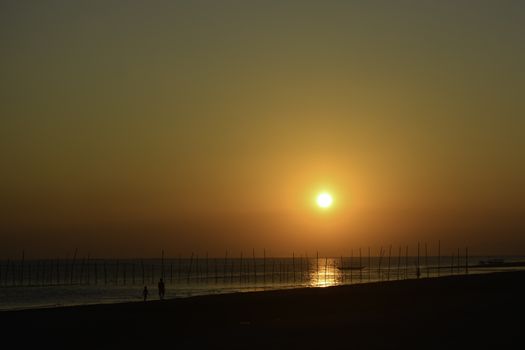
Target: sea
[{"x": 27, "y": 284}]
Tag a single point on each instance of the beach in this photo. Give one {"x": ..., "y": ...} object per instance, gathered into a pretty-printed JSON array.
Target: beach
[{"x": 448, "y": 312}]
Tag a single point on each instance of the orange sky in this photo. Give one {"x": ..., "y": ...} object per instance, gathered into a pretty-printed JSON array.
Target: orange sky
[{"x": 127, "y": 128}]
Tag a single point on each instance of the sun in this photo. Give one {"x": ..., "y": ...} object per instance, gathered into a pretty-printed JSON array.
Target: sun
[{"x": 324, "y": 200}]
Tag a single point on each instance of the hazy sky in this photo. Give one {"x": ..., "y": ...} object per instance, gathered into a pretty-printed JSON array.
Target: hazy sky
[{"x": 127, "y": 127}]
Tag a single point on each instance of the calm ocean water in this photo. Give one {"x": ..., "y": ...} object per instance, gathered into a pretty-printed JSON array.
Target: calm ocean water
[{"x": 50, "y": 283}]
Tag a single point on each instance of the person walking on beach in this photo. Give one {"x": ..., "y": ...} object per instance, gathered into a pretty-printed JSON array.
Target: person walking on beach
[
  {"x": 162, "y": 289},
  {"x": 145, "y": 293}
]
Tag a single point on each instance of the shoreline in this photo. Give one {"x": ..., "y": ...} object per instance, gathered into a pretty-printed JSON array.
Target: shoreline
[
  {"x": 445, "y": 311},
  {"x": 236, "y": 291}
]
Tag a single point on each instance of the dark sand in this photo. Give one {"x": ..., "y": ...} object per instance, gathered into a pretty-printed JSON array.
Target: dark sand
[{"x": 475, "y": 311}]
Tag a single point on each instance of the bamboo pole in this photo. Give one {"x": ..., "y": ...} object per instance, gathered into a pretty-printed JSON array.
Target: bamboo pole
[
  {"x": 285, "y": 270},
  {"x": 439, "y": 258},
  {"x": 342, "y": 269},
  {"x": 189, "y": 269},
  {"x": 58, "y": 271},
  {"x": 264, "y": 266},
  {"x": 55, "y": 267},
  {"x": 231, "y": 272},
  {"x": 426, "y": 261},
  {"x": 38, "y": 277},
  {"x": 246, "y": 270},
  {"x": 179, "y": 268},
  {"x": 116, "y": 273},
  {"x": 6, "y": 274},
  {"x": 458, "y": 261},
  {"x": 28, "y": 273},
  {"x": 6, "y": 282},
  {"x": 105, "y": 273},
  {"x": 225, "y": 265},
  {"x": 418, "y": 270},
  {"x": 28, "y": 278},
  {"x": 87, "y": 266},
  {"x": 153, "y": 271},
  {"x": 43, "y": 272},
  {"x": 133, "y": 272},
  {"x": 280, "y": 271},
  {"x": 466, "y": 260},
  {"x": 14, "y": 273},
  {"x": 301, "y": 271},
  {"x": 273, "y": 270},
  {"x": 240, "y": 269},
  {"x": 325, "y": 268},
  {"x": 360, "y": 266},
  {"x": 351, "y": 258},
  {"x": 406, "y": 263},
  {"x": 22, "y": 267},
  {"x": 216, "y": 268},
  {"x": 73, "y": 266},
  {"x": 389, "y": 257},
  {"x": 369, "y": 265},
  {"x": 82, "y": 270},
  {"x": 307, "y": 266},
  {"x": 143, "y": 272},
  {"x": 197, "y": 272},
  {"x": 162, "y": 266},
  {"x": 399, "y": 264},
  {"x": 334, "y": 270},
  {"x": 379, "y": 264},
  {"x": 51, "y": 271},
  {"x": 293, "y": 266},
  {"x": 317, "y": 259},
  {"x": 9, "y": 267},
  {"x": 254, "y": 267},
  {"x": 96, "y": 271},
  {"x": 65, "y": 270}
]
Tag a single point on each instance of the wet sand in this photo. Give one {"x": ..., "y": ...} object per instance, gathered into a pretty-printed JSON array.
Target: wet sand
[{"x": 484, "y": 311}]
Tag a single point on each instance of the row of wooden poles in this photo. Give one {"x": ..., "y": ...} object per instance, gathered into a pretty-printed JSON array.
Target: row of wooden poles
[{"x": 89, "y": 271}]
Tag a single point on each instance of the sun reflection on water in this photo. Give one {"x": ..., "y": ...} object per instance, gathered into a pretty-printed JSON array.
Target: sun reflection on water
[{"x": 325, "y": 273}]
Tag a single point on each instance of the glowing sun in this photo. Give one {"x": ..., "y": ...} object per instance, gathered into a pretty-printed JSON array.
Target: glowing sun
[{"x": 324, "y": 200}]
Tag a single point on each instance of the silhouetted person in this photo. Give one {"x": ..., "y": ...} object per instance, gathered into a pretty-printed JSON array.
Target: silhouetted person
[
  {"x": 418, "y": 272},
  {"x": 162, "y": 289},
  {"x": 145, "y": 293}
]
